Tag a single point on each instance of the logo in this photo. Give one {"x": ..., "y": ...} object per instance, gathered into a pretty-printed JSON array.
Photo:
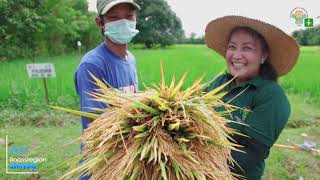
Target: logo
[
  {"x": 308, "y": 22},
  {"x": 18, "y": 161},
  {"x": 299, "y": 15}
]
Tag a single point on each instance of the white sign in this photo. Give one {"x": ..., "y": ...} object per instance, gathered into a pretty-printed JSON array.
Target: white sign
[
  {"x": 79, "y": 43},
  {"x": 41, "y": 70}
]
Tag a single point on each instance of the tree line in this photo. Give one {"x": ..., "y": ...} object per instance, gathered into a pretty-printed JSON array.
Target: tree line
[
  {"x": 30, "y": 28},
  {"x": 308, "y": 37},
  {"x": 36, "y": 27}
]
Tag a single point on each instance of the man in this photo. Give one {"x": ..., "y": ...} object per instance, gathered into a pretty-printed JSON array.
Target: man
[{"x": 110, "y": 61}]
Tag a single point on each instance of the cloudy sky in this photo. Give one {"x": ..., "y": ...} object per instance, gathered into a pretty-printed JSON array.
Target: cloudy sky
[{"x": 195, "y": 14}]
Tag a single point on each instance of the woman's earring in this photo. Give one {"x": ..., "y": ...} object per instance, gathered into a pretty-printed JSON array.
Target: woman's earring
[{"x": 262, "y": 60}]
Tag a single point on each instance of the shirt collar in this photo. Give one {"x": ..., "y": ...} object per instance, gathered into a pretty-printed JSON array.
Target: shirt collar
[{"x": 256, "y": 82}]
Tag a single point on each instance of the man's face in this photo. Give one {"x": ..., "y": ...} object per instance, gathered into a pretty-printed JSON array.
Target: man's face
[{"x": 120, "y": 11}]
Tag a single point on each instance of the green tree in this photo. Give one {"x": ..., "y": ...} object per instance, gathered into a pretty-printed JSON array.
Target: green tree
[
  {"x": 91, "y": 36},
  {"x": 157, "y": 24},
  {"x": 308, "y": 37},
  {"x": 64, "y": 25},
  {"x": 20, "y": 27},
  {"x": 192, "y": 37},
  {"x": 40, "y": 27},
  {"x": 314, "y": 36},
  {"x": 81, "y": 5}
]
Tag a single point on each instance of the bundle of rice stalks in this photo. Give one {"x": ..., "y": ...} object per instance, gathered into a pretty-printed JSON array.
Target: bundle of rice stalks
[{"x": 164, "y": 132}]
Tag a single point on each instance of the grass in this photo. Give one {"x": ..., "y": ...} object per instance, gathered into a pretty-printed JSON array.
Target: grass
[
  {"x": 292, "y": 164},
  {"x": 304, "y": 79},
  {"x": 49, "y": 142},
  {"x": 18, "y": 90},
  {"x": 45, "y": 142},
  {"x": 303, "y": 113},
  {"x": 44, "y": 132}
]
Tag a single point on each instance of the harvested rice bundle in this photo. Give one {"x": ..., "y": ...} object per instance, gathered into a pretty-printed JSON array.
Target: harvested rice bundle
[{"x": 164, "y": 132}]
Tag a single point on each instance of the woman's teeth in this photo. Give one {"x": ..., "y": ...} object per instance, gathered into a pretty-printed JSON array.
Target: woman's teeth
[{"x": 238, "y": 65}]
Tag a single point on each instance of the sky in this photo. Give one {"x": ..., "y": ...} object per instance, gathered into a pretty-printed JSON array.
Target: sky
[{"x": 196, "y": 14}]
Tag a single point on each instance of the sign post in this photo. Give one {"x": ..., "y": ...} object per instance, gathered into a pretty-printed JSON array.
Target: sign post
[
  {"x": 42, "y": 71},
  {"x": 46, "y": 90}
]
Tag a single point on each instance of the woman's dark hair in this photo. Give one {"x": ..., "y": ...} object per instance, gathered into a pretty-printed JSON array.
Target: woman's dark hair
[{"x": 267, "y": 71}]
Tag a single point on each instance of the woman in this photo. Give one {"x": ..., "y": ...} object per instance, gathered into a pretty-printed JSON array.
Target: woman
[{"x": 256, "y": 54}]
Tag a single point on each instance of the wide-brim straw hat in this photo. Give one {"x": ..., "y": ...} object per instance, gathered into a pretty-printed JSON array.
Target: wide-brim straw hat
[{"x": 284, "y": 50}]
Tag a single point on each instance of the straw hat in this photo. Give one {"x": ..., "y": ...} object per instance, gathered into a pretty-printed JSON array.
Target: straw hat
[{"x": 284, "y": 50}]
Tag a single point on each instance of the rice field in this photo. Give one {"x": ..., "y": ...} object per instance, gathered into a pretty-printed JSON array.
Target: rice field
[
  {"x": 17, "y": 89},
  {"x": 22, "y": 99},
  {"x": 282, "y": 164}
]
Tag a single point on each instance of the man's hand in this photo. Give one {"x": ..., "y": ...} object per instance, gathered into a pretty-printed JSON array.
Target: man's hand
[{"x": 90, "y": 120}]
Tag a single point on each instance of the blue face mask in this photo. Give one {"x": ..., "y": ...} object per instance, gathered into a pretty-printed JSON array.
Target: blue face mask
[{"x": 121, "y": 31}]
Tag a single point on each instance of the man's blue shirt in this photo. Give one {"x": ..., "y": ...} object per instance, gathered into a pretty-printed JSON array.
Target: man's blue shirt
[{"x": 107, "y": 66}]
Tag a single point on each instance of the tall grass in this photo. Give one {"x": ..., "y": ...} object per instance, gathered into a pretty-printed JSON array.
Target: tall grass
[
  {"x": 304, "y": 79},
  {"x": 17, "y": 90}
]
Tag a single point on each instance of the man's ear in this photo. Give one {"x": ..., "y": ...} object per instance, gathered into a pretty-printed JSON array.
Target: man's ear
[{"x": 99, "y": 22}]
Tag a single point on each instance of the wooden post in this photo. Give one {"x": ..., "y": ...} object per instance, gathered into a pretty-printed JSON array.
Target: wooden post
[{"x": 46, "y": 90}]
